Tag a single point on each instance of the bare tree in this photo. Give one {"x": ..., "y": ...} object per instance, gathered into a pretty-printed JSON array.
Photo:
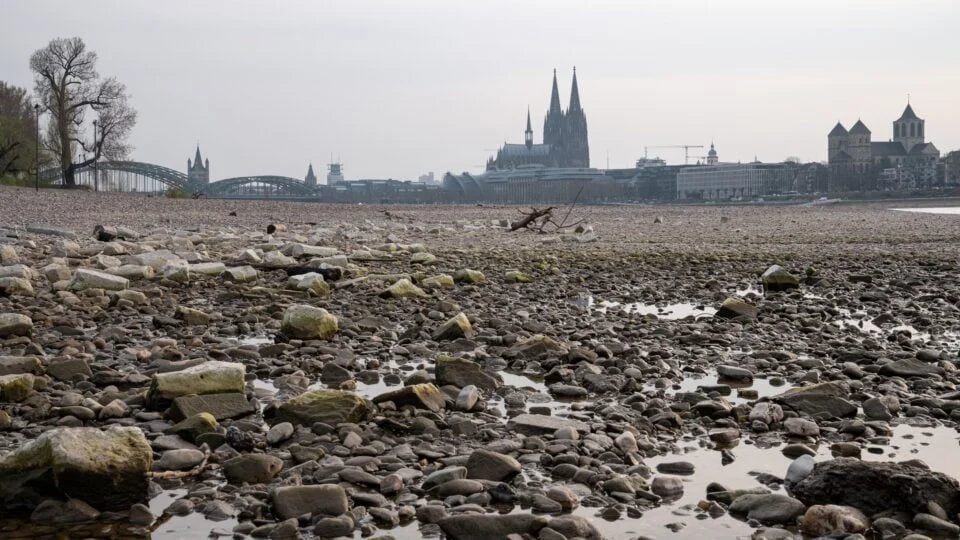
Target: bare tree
[{"x": 68, "y": 87}]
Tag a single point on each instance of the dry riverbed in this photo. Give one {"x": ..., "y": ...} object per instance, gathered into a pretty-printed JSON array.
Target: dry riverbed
[{"x": 407, "y": 372}]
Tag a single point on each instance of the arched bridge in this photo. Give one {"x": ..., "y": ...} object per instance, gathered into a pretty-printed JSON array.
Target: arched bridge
[{"x": 139, "y": 177}]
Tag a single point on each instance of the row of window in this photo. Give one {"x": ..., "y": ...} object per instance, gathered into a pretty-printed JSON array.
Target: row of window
[{"x": 916, "y": 130}]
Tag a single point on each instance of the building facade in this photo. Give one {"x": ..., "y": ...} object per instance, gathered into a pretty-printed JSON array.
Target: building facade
[
  {"x": 906, "y": 161},
  {"x": 198, "y": 171},
  {"x": 564, "y": 137},
  {"x": 735, "y": 181}
]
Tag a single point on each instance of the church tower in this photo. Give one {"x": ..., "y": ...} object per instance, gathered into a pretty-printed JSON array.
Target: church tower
[
  {"x": 553, "y": 123},
  {"x": 311, "y": 178},
  {"x": 712, "y": 158},
  {"x": 908, "y": 129},
  {"x": 528, "y": 133},
  {"x": 576, "y": 148},
  {"x": 198, "y": 172}
]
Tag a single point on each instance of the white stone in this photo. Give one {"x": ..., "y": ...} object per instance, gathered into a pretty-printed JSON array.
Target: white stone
[
  {"x": 85, "y": 278},
  {"x": 208, "y": 269},
  {"x": 16, "y": 270},
  {"x": 132, "y": 271},
  {"x": 240, "y": 274}
]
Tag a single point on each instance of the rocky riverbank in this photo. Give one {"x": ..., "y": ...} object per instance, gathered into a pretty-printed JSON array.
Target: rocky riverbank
[{"x": 406, "y": 372}]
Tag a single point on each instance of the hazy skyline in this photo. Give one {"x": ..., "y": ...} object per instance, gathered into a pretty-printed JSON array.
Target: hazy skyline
[{"x": 399, "y": 89}]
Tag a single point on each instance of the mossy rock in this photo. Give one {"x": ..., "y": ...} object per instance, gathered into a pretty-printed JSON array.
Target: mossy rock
[
  {"x": 308, "y": 322},
  {"x": 331, "y": 407},
  {"x": 104, "y": 468},
  {"x": 515, "y": 276},
  {"x": 212, "y": 377},
  {"x": 468, "y": 276},
  {"x": 438, "y": 281},
  {"x": 16, "y": 388},
  {"x": 403, "y": 288}
]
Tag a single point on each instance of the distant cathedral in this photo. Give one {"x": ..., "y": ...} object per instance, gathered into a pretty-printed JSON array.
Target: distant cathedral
[
  {"x": 198, "y": 172},
  {"x": 854, "y": 152},
  {"x": 564, "y": 137}
]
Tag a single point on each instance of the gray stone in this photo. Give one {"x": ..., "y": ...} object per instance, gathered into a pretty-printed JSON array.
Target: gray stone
[
  {"x": 460, "y": 373},
  {"x": 295, "y": 501},
  {"x": 487, "y": 465},
  {"x": 539, "y": 424},
  {"x": 771, "y": 508},
  {"x": 252, "y": 468},
  {"x": 220, "y": 406},
  {"x": 485, "y": 527},
  {"x": 179, "y": 460},
  {"x": 85, "y": 278}
]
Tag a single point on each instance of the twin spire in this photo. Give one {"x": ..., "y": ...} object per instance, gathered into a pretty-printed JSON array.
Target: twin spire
[{"x": 555, "y": 95}]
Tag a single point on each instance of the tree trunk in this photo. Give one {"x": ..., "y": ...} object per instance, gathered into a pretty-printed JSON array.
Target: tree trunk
[{"x": 68, "y": 176}]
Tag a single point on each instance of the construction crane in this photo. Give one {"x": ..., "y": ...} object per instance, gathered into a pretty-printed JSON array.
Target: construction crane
[{"x": 686, "y": 150}]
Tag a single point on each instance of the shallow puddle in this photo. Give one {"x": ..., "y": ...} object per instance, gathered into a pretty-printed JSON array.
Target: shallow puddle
[{"x": 670, "y": 312}]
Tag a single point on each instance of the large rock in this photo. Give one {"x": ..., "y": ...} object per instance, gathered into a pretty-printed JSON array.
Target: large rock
[
  {"x": 294, "y": 501},
  {"x": 212, "y": 377},
  {"x": 14, "y": 324},
  {"x": 106, "y": 469},
  {"x": 540, "y": 424},
  {"x": 422, "y": 396},
  {"x": 486, "y": 465},
  {"x": 460, "y": 373},
  {"x": 777, "y": 279},
  {"x": 820, "y": 400},
  {"x": 873, "y": 487},
  {"x": 771, "y": 508},
  {"x": 487, "y": 526},
  {"x": 327, "y": 406},
  {"x": 734, "y": 308},
  {"x": 910, "y": 367},
  {"x": 85, "y": 278},
  {"x": 308, "y": 322},
  {"x": 455, "y": 328}
]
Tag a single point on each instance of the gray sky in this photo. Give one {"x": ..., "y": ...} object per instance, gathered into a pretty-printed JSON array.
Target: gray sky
[{"x": 396, "y": 89}]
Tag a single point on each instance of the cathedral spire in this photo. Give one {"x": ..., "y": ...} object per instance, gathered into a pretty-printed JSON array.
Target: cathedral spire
[
  {"x": 574, "y": 94},
  {"x": 555, "y": 96},
  {"x": 528, "y": 134},
  {"x": 196, "y": 158}
]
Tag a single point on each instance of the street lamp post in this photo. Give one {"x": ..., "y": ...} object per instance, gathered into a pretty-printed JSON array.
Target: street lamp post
[
  {"x": 96, "y": 171},
  {"x": 36, "y": 110}
]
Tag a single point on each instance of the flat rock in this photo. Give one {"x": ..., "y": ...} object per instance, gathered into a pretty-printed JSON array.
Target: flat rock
[
  {"x": 539, "y": 424},
  {"x": 295, "y": 501}
]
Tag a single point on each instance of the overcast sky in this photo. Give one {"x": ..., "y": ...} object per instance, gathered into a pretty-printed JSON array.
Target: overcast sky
[{"x": 396, "y": 89}]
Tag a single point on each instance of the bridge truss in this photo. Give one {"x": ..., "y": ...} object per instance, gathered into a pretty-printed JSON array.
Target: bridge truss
[{"x": 139, "y": 177}]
